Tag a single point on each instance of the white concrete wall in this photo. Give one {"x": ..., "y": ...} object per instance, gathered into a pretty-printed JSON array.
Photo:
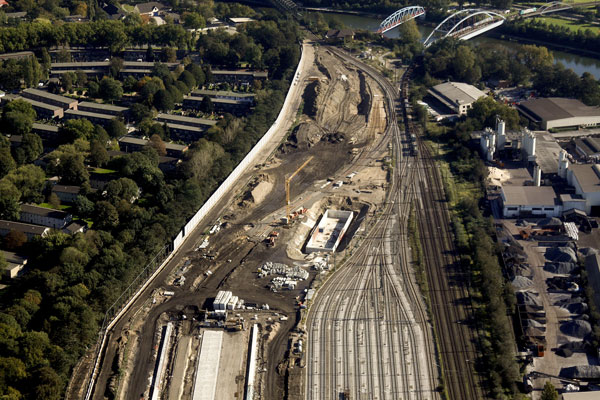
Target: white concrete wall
[
  {"x": 537, "y": 210},
  {"x": 574, "y": 121}
]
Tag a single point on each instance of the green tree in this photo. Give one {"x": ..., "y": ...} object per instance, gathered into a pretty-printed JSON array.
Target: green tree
[
  {"x": 75, "y": 129},
  {"x": 206, "y": 105},
  {"x": 30, "y": 149},
  {"x": 197, "y": 72},
  {"x": 116, "y": 128},
  {"x": 106, "y": 216},
  {"x": 157, "y": 143},
  {"x": 7, "y": 163},
  {"x": 18, "y": 117},
  {"x": 9, "y": 200},
  {"x": 98, "y": 153},
  {"x": 549, "y": 392},
  {"x": 193, "y": 20},
  {"x": 29, "y": 180},
  {"x": 72, "y": 169},
  {"x": 83, "y": 206},
  {"x": 187, "y": 78},
  {"x": 110, "y": 89},
  {"x": 163, "y": 100}
]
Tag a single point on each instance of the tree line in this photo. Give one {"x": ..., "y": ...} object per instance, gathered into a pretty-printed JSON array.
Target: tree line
[
  {"x": 538, "y": 29},
  {"x": 530, "y": 65},
  {"x": 492, "y": 297}
]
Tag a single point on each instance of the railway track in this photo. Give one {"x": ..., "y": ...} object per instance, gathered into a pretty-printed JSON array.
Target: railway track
[
  {"x": 447, "y": 282},
  {"x": 380, "y": 345}
]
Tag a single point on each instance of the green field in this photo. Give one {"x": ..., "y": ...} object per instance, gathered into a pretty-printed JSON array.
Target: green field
[{"x": 572, "y": 25}]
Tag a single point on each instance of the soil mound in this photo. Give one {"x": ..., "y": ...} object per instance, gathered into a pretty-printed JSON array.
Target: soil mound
[{"x": 578, "y": 328}]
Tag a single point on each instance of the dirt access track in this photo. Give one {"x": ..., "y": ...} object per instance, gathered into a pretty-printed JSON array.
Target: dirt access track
[{"x": 342, "y": 127}]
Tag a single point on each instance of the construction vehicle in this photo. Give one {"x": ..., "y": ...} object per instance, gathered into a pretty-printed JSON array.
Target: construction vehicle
[
  {"x": 271, "y": 238},
  {"x": 287, "y": 189},
  {"x": 528, "y": 233}
]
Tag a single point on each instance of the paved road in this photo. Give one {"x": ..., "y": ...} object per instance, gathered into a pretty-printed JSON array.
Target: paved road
[
  {"x": 137, "y": 386},
  {"x": 367, "y": 328}
]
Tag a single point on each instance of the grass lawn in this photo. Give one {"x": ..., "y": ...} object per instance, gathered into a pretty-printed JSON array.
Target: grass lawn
[
  {"x": 127, "y": 7},
  {"x": 103, "y": 171},
  {"x": 572, "y": 25},
  {"x": 62, "y": 207},
  {"x": 458, "y": 189}
]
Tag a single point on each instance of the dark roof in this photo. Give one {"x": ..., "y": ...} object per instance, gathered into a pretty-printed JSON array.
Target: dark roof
[
  {"x": 189, "y": 120},
  {"x": 99, "y": 106},
  {"x": 14, "y": 258},
  {"x": 44, "y": 127},
  {"x": 166, "y": 159},
  {"x": 553, "y": 108},
  {"x": 74, "y": 227},
  {"x": 44, "y": 212},
  {"x": 50, "y": 96},
  {"x": 148, "y": 7},
  {"x": 21, "y": 227},
  {"x": 66, "y": 189},
  {"x": 84, "y": 114},
  {"x": 221, "y": 93},
  {"x": 340, "y": 34},
  {"x": 110, "y": 9},
  {"x": 39, "y": 104}
]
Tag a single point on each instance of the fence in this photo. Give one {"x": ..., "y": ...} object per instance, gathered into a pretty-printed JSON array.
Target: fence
[{"x": 154, "y": 267}]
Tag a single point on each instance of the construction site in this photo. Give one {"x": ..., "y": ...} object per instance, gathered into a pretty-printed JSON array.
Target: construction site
[{"x": 231, "y": 306}]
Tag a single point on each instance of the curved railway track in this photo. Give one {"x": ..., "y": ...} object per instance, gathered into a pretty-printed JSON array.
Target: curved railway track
[{"x": 368, "y": 329}]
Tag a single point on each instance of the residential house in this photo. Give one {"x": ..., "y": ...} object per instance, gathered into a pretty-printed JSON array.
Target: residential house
[
  {"x": 15, "y": 266},
  {"x": 66, "y": 193},
  {"x": 51, "y": 218},
  {"x": 29, "y": 230},
  {"x": 49, "y": 98}
]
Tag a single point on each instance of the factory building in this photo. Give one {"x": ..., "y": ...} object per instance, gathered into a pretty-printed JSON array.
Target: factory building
[
  {"x": 557, "y": 112},
  {"x": 538, "y": 201},
  {"x": 585, "y": 178},
  {"x": 457, "y": 96}
]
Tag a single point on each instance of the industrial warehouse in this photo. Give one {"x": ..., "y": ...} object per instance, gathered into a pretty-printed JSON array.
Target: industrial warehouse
[{"x": 554, "y": 113}]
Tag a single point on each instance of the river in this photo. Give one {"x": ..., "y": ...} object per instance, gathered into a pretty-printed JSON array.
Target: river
[{"x": 577, "y": 63}]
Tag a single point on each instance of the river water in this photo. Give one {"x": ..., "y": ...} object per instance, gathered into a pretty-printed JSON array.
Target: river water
[{"x": 577, "y": 63}]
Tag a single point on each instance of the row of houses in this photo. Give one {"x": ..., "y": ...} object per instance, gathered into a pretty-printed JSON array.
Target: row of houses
[
  {"x": 139, "y": 69},
  {"x": 52, "y": 106}
]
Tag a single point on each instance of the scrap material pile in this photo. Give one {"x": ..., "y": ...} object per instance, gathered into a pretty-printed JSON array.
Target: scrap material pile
[{"x": 290, "y": 275}]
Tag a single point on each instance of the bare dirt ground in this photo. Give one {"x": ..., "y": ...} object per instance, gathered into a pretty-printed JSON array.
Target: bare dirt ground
[{"x": 341, "y": 127}]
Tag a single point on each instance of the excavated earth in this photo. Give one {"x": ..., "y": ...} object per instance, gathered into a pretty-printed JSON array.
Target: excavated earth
[{"x": 341, "y": 126}]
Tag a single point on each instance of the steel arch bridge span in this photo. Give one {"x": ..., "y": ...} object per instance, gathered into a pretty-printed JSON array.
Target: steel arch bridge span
[
  {"x": 400, "y": 17},
  {"x": 465, "y": 24},
  {"x": 554, "y": 6}
]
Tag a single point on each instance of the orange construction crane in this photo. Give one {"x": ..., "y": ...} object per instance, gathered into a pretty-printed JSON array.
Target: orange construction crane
[{"x": 287, "y": 187}]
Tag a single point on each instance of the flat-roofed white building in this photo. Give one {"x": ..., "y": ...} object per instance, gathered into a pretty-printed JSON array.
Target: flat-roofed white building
[
  {"x": 585, "y": 178},
  {"x": 538, "y": 201}
]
